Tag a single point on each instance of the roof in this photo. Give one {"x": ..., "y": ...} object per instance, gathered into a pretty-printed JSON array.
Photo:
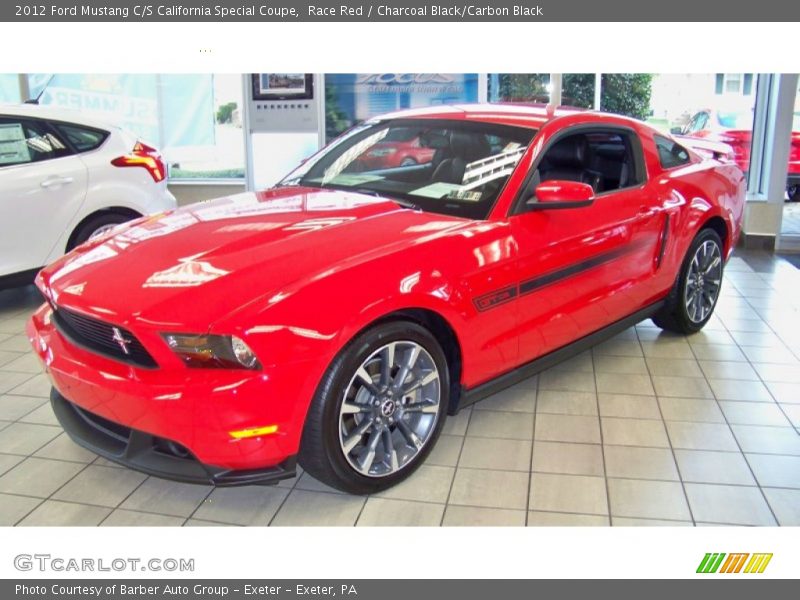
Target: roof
[
  {"x": 522, "y": 115},
  {"x": 54, "y": 113}
]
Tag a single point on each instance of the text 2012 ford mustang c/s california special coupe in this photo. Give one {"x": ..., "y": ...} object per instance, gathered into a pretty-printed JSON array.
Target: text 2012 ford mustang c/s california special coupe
[{"x": 338, "y": 318}]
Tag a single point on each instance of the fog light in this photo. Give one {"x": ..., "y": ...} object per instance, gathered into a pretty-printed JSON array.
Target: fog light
[{"x": 254, "y": 432}]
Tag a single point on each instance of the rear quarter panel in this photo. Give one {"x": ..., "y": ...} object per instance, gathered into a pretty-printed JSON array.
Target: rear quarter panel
[{"x": 691, "y": 196}]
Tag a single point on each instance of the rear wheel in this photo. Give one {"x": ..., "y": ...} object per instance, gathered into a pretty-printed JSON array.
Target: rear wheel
[
  {"x": 378, "y": 410},
  {"x": 96, "y": 226},
  {"x": 793, "y": 191},
  {"x": 694, "y": 296}
]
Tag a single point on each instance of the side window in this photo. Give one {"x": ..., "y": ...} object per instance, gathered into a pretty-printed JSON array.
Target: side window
[
  {"x": 607, "y": 159},
  {"x": 23, "y": 141},
  {"x": 670, "y": 154},
  {"x": 83, "y": 139}
]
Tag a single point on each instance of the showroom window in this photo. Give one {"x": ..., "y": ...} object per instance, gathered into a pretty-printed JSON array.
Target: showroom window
[
  {"x": 194, "y": 119},
  {"x": 9, "y": 88},
  {"x": 519, "y": 87},
  {"x": 351, "y": 98}
]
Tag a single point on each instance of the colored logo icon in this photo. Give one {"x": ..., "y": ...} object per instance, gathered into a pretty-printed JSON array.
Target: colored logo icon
[{"x": 719, "y": 562}]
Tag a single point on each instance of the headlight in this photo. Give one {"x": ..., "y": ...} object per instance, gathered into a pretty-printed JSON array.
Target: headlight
[{"x": 212, "y": 351}]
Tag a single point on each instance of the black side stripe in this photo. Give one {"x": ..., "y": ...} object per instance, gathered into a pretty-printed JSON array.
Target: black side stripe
[
  {"x": 531, "y": 285},
  {"x": 498, "y": 297}
]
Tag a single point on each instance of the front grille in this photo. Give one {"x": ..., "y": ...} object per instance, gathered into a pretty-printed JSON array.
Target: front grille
[{"x": 102, "y": 338}]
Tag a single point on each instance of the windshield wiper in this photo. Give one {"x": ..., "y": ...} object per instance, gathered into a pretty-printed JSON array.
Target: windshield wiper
[
  {"x": 403, "y": 203},
  {"x": 406, "y": 204},
  {"x": 367, "y": 192}
]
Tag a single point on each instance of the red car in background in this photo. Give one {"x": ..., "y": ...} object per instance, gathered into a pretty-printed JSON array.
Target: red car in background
[
  {"x": 402, "y": 147},
  {"x": 339, "y": 318},
  {"x": 735, "y": 128}
]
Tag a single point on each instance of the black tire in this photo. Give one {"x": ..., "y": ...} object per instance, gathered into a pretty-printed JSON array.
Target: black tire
[
  {"x": 793, "y": 192},
  {"x": 90, "y": 226},
  {"x": 321, "y": 454},
  {"x": 674, "y": 316}
]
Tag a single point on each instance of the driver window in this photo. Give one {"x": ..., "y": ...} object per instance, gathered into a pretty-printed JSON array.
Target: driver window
[{"x": 603, "y": 159}]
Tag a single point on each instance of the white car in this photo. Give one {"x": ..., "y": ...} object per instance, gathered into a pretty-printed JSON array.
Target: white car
[{"x": 65, "y": 178}]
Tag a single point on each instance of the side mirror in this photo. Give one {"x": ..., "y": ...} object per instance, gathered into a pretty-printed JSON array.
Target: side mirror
[
  {"x": 676, "y": 130},
  {"x": 564, "y": 194}
]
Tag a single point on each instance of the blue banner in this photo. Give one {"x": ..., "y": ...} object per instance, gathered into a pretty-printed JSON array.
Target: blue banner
[
  {"x": 168, "y": 110},
  {"x": 351, "y": 98},
  {"x": 9, "y": 88}
]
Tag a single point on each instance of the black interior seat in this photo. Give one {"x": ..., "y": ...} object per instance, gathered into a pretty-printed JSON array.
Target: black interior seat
[
  {"x": 569, "y": 160},
  {"x": 613, "y": 162},
  {"x": 464, "y": 148}
]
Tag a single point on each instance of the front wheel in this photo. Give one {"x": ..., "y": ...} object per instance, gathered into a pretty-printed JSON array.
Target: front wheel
[
  {"x": 694, "y": 296},
  {"x": 378, "y": 410}
]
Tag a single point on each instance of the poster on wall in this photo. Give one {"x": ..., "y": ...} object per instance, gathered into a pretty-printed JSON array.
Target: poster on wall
[
  {"x": 351, "y": 98},
  {"x": 170, "y": 110}
]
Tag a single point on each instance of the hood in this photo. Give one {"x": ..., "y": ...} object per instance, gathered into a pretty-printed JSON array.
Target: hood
[{"x": 194, "y": 265}]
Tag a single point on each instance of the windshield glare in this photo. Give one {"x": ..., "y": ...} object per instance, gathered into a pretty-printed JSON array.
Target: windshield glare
[{"x": 450, "y": 167}]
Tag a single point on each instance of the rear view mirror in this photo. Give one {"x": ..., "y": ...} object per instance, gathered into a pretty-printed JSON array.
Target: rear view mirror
[{"x": 564, "y": 194}]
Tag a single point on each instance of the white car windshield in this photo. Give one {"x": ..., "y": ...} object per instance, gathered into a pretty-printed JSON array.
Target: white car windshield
[{"x": 444, "y": 166}]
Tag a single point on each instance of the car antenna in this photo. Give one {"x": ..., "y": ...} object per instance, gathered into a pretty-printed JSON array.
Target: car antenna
[{"x": 44, "y": 88}]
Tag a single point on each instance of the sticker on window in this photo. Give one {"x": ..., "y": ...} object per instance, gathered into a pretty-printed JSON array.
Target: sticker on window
[
  {"x": 13, "y": 147},
  {"x": 440, "y": 189},
  {"x": 465, "y": 195},
  {"x": 352, "y": 179}
]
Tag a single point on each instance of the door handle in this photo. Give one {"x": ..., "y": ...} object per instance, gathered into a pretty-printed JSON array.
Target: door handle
[{"x": 54, "y": 181}]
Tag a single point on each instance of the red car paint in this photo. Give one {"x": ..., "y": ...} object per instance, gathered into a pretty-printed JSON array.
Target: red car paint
[
  {"x": 386, "y": 155},
  {"x": 297, "y": 272}
]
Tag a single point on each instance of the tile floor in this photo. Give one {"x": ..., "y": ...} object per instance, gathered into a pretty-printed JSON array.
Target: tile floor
[{"x": 646, "y": 429}]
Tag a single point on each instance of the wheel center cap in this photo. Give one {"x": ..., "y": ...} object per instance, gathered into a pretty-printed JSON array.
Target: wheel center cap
[{"x": 388, "y": 408}]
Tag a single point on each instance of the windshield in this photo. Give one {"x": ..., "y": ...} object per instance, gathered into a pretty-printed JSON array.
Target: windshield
[{"x": 451, "y": 167}]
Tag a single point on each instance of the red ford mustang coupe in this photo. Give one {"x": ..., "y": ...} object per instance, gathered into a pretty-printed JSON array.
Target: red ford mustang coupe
[{"x": 339, "y": 318}]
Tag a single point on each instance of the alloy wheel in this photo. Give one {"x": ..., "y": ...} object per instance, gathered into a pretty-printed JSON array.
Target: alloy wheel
[
  {"x": 390, "y": 409},
  {"x": 102, "y": 230},
  {"x": 703, "y": 281}
]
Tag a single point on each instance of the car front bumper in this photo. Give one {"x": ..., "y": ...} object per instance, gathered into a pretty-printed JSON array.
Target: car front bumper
[
  {"x": 172, "y": 423},
  {"x": 152, "y": 454}
]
